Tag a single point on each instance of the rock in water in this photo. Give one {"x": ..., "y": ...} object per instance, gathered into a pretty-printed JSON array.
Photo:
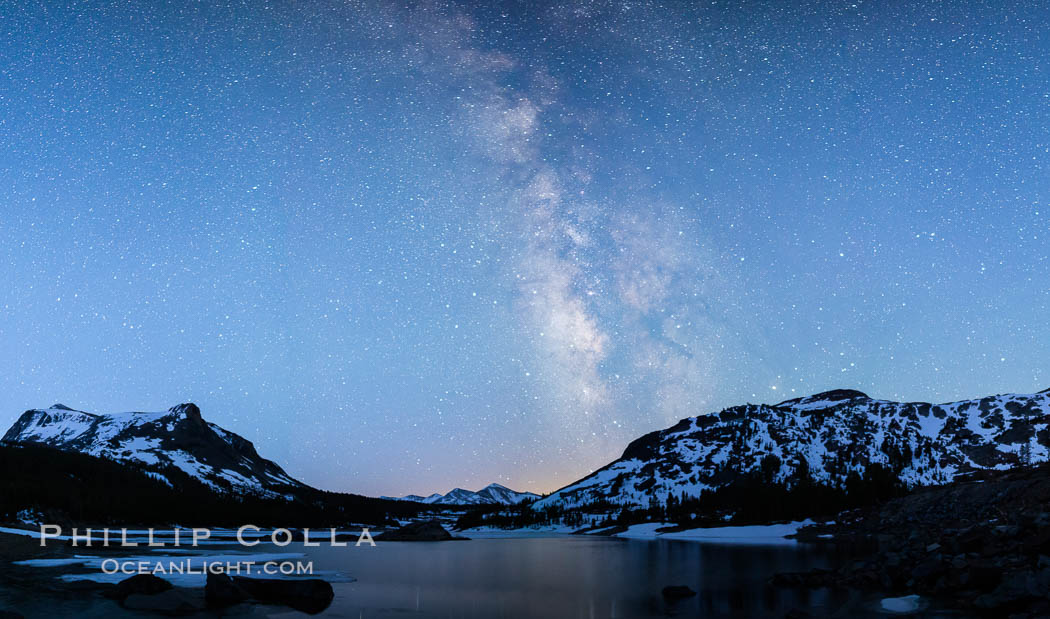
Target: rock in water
[
  {"x": 172, "y": 602},
  {"x": 429, "y": 531},
  {"x": 139, "y": 584},
  {"x": 220, "y": 592},
  {"x": 309, "y": 596},
  {"x": 677, "y": 592}
]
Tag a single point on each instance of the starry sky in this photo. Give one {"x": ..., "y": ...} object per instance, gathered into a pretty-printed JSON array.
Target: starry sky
[{"x": 404, "y": 247}]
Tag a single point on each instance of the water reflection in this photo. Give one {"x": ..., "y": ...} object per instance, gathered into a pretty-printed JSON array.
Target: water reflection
[{"x": 571, "y": 577}]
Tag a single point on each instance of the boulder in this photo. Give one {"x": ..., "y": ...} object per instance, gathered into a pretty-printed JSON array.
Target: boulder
[
  {"x": 220, "y": 592},
  {"x": 171, "y": 602},
  {"x": 677, "y": 592},
  {"x": 139, "y": 584},
  {"x": 1039, "y": 542},
  {"x": 928, "y": 570},
  {"x": 308, "y": 595},
  {"x": 1011, "y": 594},
  {"x": 983, "y": 576},
  {"x": 971, "y": 540},
  {"x": 10, "y": 614}
]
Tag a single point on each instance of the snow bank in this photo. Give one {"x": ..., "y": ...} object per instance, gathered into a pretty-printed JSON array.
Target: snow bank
[
  {"x": 767, "y": 534},
  {"x": 644, "y": 531}
]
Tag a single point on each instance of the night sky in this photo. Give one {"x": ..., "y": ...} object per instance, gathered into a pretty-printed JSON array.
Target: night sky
[{"x": 405, "y": 248}]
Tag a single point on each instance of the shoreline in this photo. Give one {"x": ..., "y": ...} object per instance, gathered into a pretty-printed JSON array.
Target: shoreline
[{"x": 777, "y": 533}]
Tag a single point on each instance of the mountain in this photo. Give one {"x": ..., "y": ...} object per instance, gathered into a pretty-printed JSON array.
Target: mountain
[
  {"x": 496, "y": 493},
  {"x": 492, "y": 494},
  {"x": 434, "y": 498},
  {"x": 825, "y": 439},
  {"x": 163, "y": 444}
]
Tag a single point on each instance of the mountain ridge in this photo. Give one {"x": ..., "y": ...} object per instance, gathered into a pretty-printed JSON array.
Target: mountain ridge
[
  {"x": 823, "y": 438},
  {"x": 492, "y": 494},
  {"x": 178, "y": 438}
]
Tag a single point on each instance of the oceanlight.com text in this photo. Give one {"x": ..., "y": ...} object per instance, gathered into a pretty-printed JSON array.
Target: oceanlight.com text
[{"x": 187, "y": 566}]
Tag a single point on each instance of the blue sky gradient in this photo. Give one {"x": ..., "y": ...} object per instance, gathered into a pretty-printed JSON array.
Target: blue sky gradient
[{"x": 406, "y": 249}]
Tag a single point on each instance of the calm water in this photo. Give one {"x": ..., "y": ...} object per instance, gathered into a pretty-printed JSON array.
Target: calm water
[
  {"x": 571, "y": 577},
  {"x": 562, "y": 577}
]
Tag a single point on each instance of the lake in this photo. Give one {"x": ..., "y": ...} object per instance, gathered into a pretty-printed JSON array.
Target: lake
[{"x": 570, "y": 577}]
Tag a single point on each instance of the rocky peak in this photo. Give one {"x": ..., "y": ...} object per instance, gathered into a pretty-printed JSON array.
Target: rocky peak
[
  {"x": 839, "y": 394},
  {"x": 835, "y": 395},
  {"x": 189, "y": 409}
]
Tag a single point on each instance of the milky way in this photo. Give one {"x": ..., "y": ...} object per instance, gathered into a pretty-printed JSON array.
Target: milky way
[{"x": 409, "y": 248}]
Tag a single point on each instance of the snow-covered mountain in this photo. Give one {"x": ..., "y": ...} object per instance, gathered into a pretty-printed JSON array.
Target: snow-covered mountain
[
  {"x": 160, "y": 443},
  {"x": 825, "y": 438},
  {"x": 491, "y": 494}
]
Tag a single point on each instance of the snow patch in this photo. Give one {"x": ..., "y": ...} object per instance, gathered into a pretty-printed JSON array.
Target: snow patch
[
  {"x": 906, "y": 604},
  {"x": 768, "y": 534}
]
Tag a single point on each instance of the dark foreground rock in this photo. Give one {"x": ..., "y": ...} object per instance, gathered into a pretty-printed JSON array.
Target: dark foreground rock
[
  {"x": 220, "y": 592},
  {"x": 139, "y": 584},
  {"x": 309, "y": 596},
  {"x": 429, "y": 531},
  {"x": 173, "y": 602},
  {"x": 677, "y": 592},
  {"x": 149, "y": 593},
  {"x": 982, "y": 545},
  {"x": 10, "y": 614}
]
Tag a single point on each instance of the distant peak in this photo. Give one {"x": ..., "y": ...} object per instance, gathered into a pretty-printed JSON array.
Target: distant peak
[
  {"x": 60, "y": 407},
  {"x": 497, "y": 486},
  {"x": 189, "y": 409}
]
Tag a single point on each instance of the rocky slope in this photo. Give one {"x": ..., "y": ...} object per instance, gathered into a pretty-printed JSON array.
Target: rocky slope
[
  {"x": 982, "y": 544},
  {"x": 178, "y": 439},
  {"x": 824, "y": 438},
  {"x": 492, "y": 494}
]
